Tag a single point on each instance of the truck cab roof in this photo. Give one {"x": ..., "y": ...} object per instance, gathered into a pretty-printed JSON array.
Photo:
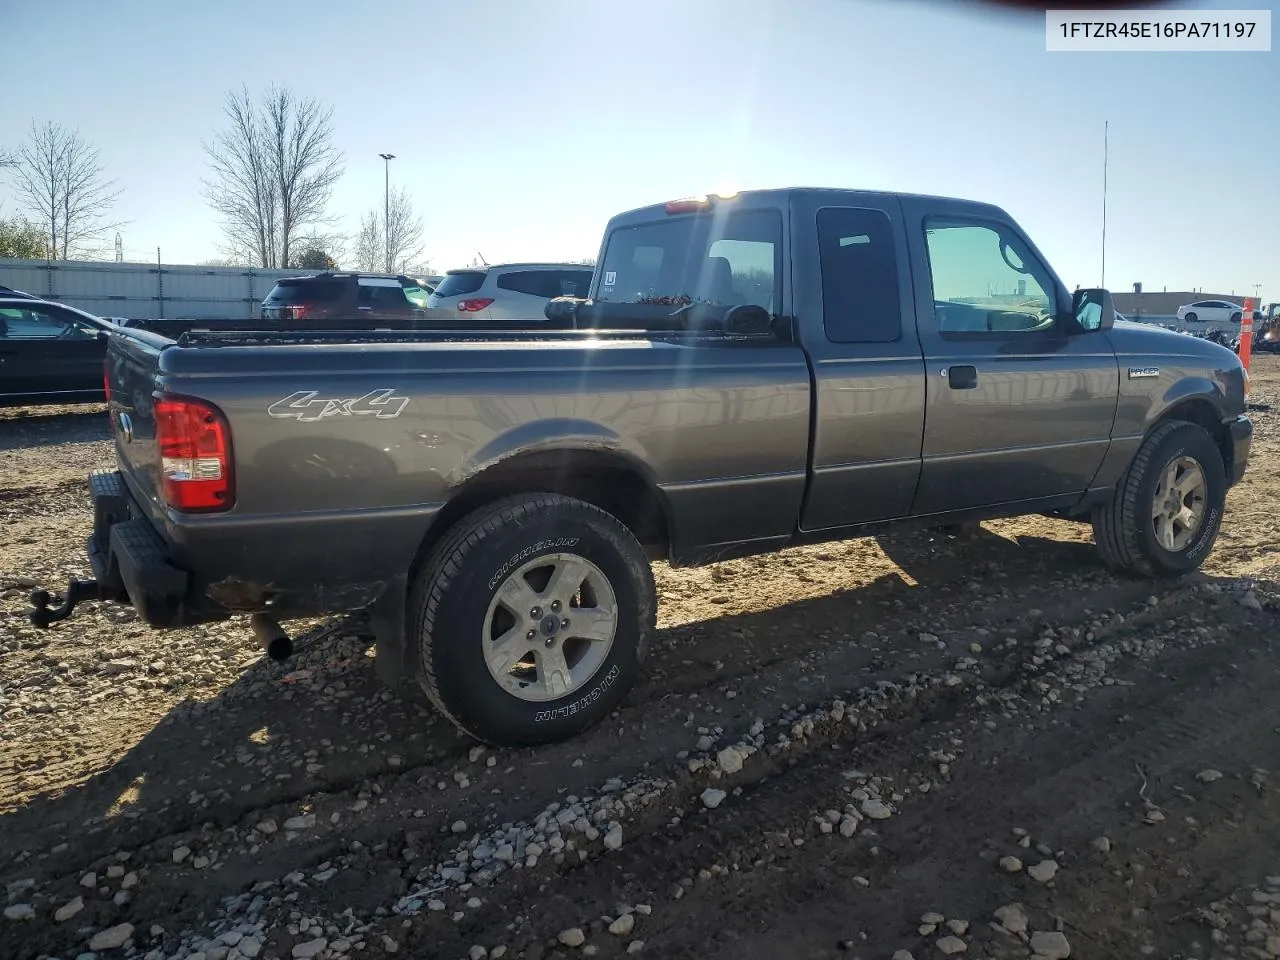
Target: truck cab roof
[{"x": 782, "y": 197}]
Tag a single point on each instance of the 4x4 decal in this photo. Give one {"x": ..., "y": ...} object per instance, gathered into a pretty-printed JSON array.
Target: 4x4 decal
[{"x": 308, "y": 406}]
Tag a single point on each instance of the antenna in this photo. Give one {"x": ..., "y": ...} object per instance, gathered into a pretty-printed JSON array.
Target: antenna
[
  {"x": 480, "y": 257},
  {"x": 1106, "y": 127}
]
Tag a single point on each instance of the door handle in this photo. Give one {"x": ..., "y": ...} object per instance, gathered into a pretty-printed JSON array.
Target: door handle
[{"x": 962, "y": 377}]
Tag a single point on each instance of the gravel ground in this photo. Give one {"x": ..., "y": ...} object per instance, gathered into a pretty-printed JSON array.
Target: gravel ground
[{"x": 906, "y": 747}]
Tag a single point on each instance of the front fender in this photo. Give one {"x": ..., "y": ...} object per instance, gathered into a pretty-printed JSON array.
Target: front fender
[{"x": 1186, "y": 389}]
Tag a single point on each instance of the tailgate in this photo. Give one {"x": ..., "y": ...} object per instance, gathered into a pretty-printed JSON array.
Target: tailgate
[{"x": 133, "y": 359}]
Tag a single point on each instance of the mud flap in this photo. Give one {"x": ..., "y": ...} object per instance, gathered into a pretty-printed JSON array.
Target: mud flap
[{"x": 387, "y": 622}]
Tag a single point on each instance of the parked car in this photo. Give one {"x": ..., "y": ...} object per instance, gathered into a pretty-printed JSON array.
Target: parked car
[
  {"x": 782, "y": 367},
  {"x": 506, "y": 291},
  {"x": 50, "y": 353},
  {"x": 346, "y": 296},
  {"x": 1211, "y": 311}
]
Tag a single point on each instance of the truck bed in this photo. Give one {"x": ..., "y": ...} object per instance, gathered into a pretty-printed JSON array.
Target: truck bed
[{"x": 366, "y": 435}]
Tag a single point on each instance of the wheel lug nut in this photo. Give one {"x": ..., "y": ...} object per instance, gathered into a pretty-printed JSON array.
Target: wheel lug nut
[
  {"x": 551, "y": 641},
  {"x": 532, "y": 634},
  {"x": 536, "y": 613},
  {"x": 555, "y": 606},
  {"x": 564, "y": 623}
]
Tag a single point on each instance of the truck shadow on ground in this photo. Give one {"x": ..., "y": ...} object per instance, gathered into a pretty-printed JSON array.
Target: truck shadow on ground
[{"x": 324, "y": 722}]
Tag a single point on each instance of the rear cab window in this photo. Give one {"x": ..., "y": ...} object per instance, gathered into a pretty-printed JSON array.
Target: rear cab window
[
  {"x": 306, "y": 290},
  {"x": 460, "y": 283},
  {"x": 724, "y": 258}
]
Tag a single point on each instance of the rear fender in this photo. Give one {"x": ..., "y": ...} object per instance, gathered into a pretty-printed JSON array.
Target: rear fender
[{"x": 555, "y": 436}]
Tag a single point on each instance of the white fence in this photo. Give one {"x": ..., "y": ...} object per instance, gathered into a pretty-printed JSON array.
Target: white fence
[{"x": 144, "y": 291}]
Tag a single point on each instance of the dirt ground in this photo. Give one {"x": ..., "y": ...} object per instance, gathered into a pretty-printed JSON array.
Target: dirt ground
[{"x": 911, "y": 746}]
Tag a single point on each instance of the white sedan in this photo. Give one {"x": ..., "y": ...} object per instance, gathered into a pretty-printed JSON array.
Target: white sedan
[{"x": 1211, "y": 311}]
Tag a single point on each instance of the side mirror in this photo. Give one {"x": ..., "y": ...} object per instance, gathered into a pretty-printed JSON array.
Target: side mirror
[{"x": 1093, "y": 309}]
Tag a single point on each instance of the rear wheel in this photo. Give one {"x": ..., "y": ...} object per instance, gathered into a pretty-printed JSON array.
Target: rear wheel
[
  {"x": 1164, "y": 515},
  {"x": 531, "y": 617},
  {"x": 1235, "y": 318}
]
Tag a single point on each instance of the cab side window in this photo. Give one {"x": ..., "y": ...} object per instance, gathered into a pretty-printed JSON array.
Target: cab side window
[
  {"x": 985, "y": 281},
  {"x": 35, "y": 324},
  {"x": 860, "y": 299}
]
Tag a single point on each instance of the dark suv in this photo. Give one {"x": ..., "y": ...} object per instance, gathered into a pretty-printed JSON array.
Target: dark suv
[{"x": 346, "y": 296}]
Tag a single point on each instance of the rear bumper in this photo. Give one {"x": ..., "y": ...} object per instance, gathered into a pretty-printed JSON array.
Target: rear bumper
[
  {"x": 204, "y": 569},
  {"x": 130, "y": 560},
  {"x": 1241, "y": 429}
]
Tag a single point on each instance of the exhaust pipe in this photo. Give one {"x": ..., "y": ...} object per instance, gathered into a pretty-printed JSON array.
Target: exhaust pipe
[{"x": 271, "y": 635}]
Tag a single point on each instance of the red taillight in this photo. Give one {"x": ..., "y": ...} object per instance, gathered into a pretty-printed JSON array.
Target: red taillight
[
  {"x": 474, "y": 305},
  {"x": 295, "y": 312},
  {"x": 106, "y": 380},
  {"x": 195, "y": 454}
]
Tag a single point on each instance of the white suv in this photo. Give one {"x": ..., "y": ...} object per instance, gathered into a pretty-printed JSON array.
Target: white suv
[
  {"x": 506, "y": 291},
  {"x": 1210, "y": 311}
]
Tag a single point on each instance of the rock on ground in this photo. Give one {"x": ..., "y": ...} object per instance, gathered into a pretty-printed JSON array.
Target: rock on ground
[
  {"x": 573, "y": 937},
  {"x": 112, "y": 937},
  {"x": 1044, "y": 871},
  {"x": 730, "y": 760},
  {"x": 311, "y": 948},
  {"x": 69, "y": 909},
  {"x": 1013, "y": 918},
  {"x": 1050, "y": 946},
  {"x": 623, "y": 925}
]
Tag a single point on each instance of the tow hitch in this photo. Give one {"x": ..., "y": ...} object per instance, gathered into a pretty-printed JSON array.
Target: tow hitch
[{"x": 78, "y": 591}]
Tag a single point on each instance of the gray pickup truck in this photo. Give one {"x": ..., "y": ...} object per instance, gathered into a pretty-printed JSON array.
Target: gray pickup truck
[{"x": 749, "y": 372}]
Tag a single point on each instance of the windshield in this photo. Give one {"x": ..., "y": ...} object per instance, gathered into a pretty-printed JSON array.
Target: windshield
[{"x": 716, "y": 258}]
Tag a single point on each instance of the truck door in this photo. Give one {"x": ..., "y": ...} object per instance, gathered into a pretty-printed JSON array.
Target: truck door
[
  {"x": 868, "y": 369},
  {"x": 1019, "y": 407}
]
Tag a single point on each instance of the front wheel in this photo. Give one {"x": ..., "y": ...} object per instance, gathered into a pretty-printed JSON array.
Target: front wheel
[
  {"x": 530, "y": 619},
  {"x": 1164, "y": 515},
  {"x": 1190, "y": 318}
]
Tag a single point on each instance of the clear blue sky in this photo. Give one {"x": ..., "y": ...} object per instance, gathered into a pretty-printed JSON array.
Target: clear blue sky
[{"x": 521, "y": 126}]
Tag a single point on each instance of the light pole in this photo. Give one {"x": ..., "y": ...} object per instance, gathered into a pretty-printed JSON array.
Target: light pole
[{"x": 386, "y": 205}]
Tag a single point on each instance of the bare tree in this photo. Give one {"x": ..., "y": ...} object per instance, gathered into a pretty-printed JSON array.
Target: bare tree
[
  {"x": 58, "y": 177},
  {"x": 402, "y": 231},
  {"x": 273, "y": 171},
  {"x": 370, "y": 251},
  {"x": 390, "y": 237}
]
